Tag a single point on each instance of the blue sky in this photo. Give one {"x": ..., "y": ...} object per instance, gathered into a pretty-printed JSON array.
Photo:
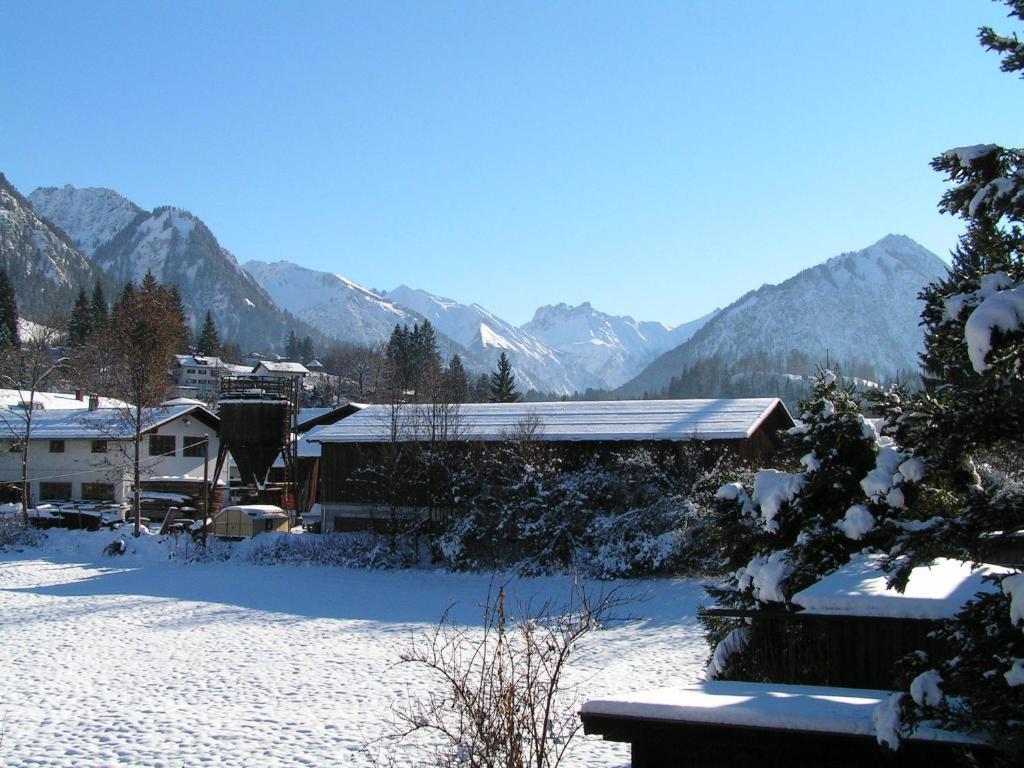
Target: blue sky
[{"x": 656, "y": 159}]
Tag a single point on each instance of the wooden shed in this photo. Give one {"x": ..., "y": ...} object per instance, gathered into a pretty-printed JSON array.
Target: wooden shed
[
  {"x": 824, "y": 672},
  {"x": 246, "y": 521},
  {"x": 578, "y": 430}
]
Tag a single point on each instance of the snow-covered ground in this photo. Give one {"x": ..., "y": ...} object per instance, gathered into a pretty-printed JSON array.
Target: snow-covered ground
[{"x": 141, "y": 660}]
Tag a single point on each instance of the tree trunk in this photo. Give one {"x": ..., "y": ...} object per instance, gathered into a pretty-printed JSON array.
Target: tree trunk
[
  {"x": 137, "y": 474},
  {"x": 24, "y": 478}
]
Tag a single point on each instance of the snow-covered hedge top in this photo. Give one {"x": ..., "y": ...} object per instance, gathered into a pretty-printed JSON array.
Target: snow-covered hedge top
[
  {"x": 847, "y": 711},
  {"x": 860, "y": 588}
]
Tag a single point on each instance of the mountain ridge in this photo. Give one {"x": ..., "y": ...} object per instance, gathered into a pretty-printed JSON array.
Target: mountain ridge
[{"x": 831, "y": 308}]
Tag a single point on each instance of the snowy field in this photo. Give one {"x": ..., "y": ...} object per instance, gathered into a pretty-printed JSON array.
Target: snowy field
[{"x": 141, "y": 661}]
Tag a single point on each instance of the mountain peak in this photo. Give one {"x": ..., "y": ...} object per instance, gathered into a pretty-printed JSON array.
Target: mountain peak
[
  {"x": 91, "y": 216},
  {"x": 859, "y": 307}
]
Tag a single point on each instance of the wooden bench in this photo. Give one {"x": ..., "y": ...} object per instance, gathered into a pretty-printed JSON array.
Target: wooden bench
[{"x": 764, "y": 725}]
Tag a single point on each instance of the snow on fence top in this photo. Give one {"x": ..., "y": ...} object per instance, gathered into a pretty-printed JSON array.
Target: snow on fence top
[
  {"x": 859, "y": 588},
  {"x": 562, "y": 421},
  {"x": 103, "y": 423},
  {"x": 759, "y": 705}
]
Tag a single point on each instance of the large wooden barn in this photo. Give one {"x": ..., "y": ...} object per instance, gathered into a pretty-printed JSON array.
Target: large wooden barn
[{"x": 748, "y": 426}]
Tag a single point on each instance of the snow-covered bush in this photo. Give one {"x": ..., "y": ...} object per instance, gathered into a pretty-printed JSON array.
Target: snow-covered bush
[
  {"x": 14, "y": 533},
  {"x": 612, "y": 514},
  {"x": 346, "y": 550}
]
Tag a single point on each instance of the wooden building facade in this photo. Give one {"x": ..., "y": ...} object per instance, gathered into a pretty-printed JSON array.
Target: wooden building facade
[{"x": 354, "y": 450}]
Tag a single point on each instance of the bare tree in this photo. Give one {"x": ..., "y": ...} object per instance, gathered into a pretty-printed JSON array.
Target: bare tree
[
  {"x": 501, "y": 698},
  {"x": 145, "y": 331},
  {"x": 26, "y": 370}
]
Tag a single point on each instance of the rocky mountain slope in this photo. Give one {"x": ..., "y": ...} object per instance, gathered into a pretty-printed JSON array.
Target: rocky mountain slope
[
  {"x": 90, "y": 216},
  {"x": 124, "y": 242},
  {"x": 43, "y": 264},
  {"x": 859, "y": 306},
  {"x": 178, "y": 248},
  {"x": 330, "y": 303},
  {"x": 611, "y": 348},
  {"x": 536, "y": 365}
]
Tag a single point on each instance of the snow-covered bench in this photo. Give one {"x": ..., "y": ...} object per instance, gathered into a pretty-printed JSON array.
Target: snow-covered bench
[{"x": 756, "y": 724}]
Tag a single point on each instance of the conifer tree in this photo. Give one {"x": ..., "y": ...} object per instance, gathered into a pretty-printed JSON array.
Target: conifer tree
[
  {"x": 306, "y": 350},
  {"x": 973, "y": 406},
  {"x": 100, "y": 310},
  {"x": 291, "y": 347},
  {"x": 177, "y": 318},
  {"x": 481, "y": 390},
  {"x": 503, "y": 383},
  {"x": 208, "y": 342},
  {"x": 80, "y": 327},
  {"x": 8, "y": 312},
  {"x": 458, "y": 384},
  {"x": 793, "y": 527}
]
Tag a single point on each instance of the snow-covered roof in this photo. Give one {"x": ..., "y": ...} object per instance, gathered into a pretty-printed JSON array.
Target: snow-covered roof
[
  {"x": 104, "y": 423},
  {"x": 848, "y": 711},
  {"x": 564, "y": 421},
  {"x": 937, "y": 591},
  {"x": 281, "y": 367},
  {"x": 183, "y": 401},
  {"x": 52, "y": 401},
  {"x": 199, "y": 361},
  {"x": 312, "y": 417}
]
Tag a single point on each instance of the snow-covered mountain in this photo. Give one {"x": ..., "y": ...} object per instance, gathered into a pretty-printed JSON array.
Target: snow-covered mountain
[
  {"x": 178, "y": 248},
  {"x": 859, "y": 306},
  {"x": 124, "y": 242},
  {"x": 90, "y": 216},
  {"x": 536, "y": 365},
  {"x": 612, "y": 348},
  {"x": 330, "y": 303},
  {"x": 41, "y": 261}
]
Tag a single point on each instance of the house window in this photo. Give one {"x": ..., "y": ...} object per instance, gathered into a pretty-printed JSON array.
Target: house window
[
  {"x": 56, "y": 446},
  {"x": 193, "y": 446},
  {"x": 162, "y": 445},
  {"x": 54, "y": 491},
  {"x": 99, "y": 446},
  {"x": 97, "y": 491}
]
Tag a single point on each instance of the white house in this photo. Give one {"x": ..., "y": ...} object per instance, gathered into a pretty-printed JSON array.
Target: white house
[
  {"x": 200, "y": 375},
  {"x": 87, "y": 454},
  {"x": 280, "y": 370}
]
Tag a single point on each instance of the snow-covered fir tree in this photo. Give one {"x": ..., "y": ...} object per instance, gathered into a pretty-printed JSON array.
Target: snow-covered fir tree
[
  {"x": 793, "y": 527},
  {"x": 955, "y": 503}
]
